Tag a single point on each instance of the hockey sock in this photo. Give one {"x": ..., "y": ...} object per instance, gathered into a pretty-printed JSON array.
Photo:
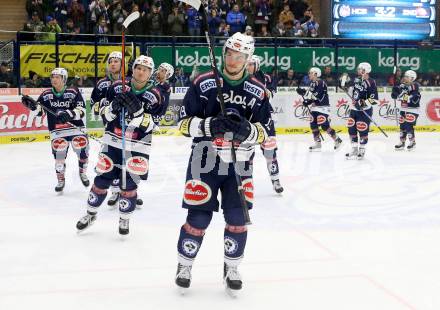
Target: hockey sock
[
  {"x": 96, "y": 197},
  {"x": 127, "y": 203},
  {"x": 189, "y": 243},
  {"x": 235, "y": 242}
]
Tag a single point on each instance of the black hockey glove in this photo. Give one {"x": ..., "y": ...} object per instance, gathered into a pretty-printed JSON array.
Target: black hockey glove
[
  {"x": 359, "y": 105},
  {"x": 307, "y": 102},
  {"x": 301, "y": 91},
  {"x": 395, "y": 92},
  {"x": 116, "y": 105},
  {"x": 28, "y": 102},
  {"x": 132, "y": 103},
  {"x": 215, "y": 126},
  {"x": 238, "y": 125},
  {"x": 64, "y": 116}
]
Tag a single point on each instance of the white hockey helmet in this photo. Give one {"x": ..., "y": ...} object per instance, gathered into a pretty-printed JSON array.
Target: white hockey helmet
[
  {"x": 168, "y": 69},
  {"x": 316, "y": 71},
  {"x": 62, "y": 72},
  {"x": 365, "y": 66},
  {"x": 256, "y": 60},
  {"x": 114, "y": 54},
  {"x": 144, "y": 61},
  {"x": 412, "y": 75},
  {"x": 241, "y": 43}
]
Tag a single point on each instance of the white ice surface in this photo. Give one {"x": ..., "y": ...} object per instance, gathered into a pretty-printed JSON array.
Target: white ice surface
[{"x": 345, "y": 235}]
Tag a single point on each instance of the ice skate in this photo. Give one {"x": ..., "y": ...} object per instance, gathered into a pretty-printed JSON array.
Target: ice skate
[
  {"x": 353, "y": 154},
  {"x": 232, "y": 280},
  {"x": 338, "y": 143},
  {"x": 85, "y": 222},
  {"x": 124, "y": 226},
  {"x": 84, "y": 179},
  {"x": 361, "y": 153},
  {"x": 400, "y": 146},
  {"x": 183, "y": 277},
  {"x": 411, "y": 146},
  {"x": 277, "y": 186},
  {"x": 316, "y": 147}
]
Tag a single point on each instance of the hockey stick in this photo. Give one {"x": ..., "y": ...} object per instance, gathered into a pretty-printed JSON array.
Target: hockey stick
[
  {"x": 197, "y": 5},
  {"x": 310, "y": 112},
  {"x": 395, "y": 101},
  {"x": 365, "y": 113},
  {"x": 132, "y": 17},
  {"x": 47, "y": 110}
]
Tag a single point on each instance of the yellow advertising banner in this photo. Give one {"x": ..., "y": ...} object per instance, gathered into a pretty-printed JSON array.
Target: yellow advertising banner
[{"x": 77, "y": 59}]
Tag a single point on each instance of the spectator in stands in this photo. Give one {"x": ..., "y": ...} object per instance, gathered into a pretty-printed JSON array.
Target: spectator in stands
[
  {"x": 248, "y": 31},
  {"x": 60, "y": 12},
  {"x": 137, "y": 26},
  {"x": 82, "y": 81},
  {"x": 214, "y": 22},
  {"x": 102, "y": 30},
  {"x": 97, "y": 10},
  {"x": 50, "y": 29},
  {"x": 279, "y": 30},
  {"x": 309, "y": 24},
  {"x": 289, "y": 79},
  {"x": 154, "y": 21},
  {"x": 286, "y": 17},
  {"x": 181, "y": 80},
  {"x": 35, "y": 6},
  {"x": 176, "y": 21},
  {"x": 6, "y": 77},
  {"x": 248, "y": 10},
  {"x": 235, "y": 19},
  {"x": 224, "y": 32},
  {"x": 76, "y": 12},
  {"x": 298, "y": 7},
  {"x": 264, "y": 33},
  {"x": 34, "y": 25},
  {"x": 118, "y": 16},
  {"x": 262, "y": 8},
  {"x": 194, "y": 22},
  {"x": 297, "y": 30},
  {"x": 436, "y": 80},
  {"x": 34, "y": 81},
  {"x": 394, "y": 79},
  {"x": 329, "y": 77},
  {"x": 224, "y": 7}
]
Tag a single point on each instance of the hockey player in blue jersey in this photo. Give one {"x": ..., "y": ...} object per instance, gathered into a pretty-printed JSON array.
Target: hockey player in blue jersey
[
  {"x": 364, "y": 94},
  {"x": 316, "y": 99},
  {"x": 408, "y": 93},
  {"x": 210, "y": 169},
  {"x": 142, "y": 102},
  {"x": 66, "y": 124},
  {"x": 268, "y": 147}
]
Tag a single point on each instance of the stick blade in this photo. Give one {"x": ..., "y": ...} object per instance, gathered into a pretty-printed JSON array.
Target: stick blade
[
  {"x": 130, "y": 18},
  {"x": 194, "y": 3}
]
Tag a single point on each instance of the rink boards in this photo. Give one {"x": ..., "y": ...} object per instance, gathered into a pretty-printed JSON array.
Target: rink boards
[{"x": 19, "y": 125}]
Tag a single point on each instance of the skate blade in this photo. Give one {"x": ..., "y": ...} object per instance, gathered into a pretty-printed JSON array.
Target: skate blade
[
  {"x": 231, "y": 293},
  {"x": 78, "y": 231},
  {"x": 138, "y": 207},
  {"x": 398, "y": 150},
  {"x": 350, "y": 157},
  {"x": 314, "y": 150}
]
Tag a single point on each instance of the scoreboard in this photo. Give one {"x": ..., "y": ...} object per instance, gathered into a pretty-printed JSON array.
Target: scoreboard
[{"x": 385, "y": 19}]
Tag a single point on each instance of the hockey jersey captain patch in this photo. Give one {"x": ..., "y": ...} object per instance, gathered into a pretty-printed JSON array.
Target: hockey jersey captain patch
[{"x": 253, "y": 89}]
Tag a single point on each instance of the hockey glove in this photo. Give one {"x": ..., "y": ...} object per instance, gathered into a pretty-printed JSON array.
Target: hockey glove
[
  {"x": 214, "y": 126},
  {"x": 132, "y": 103},
  {"x": 307, "y": 102},
  {"x": 395, "y": 92},
  {"x": 29, "y": 102},
  {"x": 301, "y": 91},
  {"x": 64, "y": 116},
  {"x": 359, "y": 105},
  {"x": 116, "y": 105}
]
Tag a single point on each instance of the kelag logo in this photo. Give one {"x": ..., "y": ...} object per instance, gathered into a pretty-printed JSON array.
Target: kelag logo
[{"x": 433, "y": 110}]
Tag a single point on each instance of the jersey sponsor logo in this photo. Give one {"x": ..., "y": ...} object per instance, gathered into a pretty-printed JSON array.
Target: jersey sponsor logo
[
  {"x": 190, "y": 247},
  {"x": 321, "y": 119},
  {"x": 433, "y": 110},
  {"x": 79, "y": 142},
  {"x": 60, "y": 104},
  {"x": 231, "y": 245},
  {"x": 361, "y": 126},
  {"x": 253, "y": 89},
  {"x": 137, "y": 165},
  {"x": 410, "y": 118},
  {"x": 59, "y": 144},
  {"x": 237, "y": 99},
  {"x": 150, "y": 97},
  {"x": 207, "y": 85},
  {"x": 248, "y": 187},
  {"x": 196, "y": 193},
  {"x": 350, "y": 122},
  {"x": 105, "y": 164}
]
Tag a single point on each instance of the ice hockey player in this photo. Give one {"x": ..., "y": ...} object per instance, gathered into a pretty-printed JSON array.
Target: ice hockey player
[
  {"x": 364, "y": 95},
  {"x": 408, "y": 93},
  {"x": 316, "y": 98},
  {"x": 98, "y": 95},
  {"x": 210, "y": 167},
  {"x": 268, "y": 147},
  {"x": 66, "y": 125},
  {"x": 142, "y": 102}
]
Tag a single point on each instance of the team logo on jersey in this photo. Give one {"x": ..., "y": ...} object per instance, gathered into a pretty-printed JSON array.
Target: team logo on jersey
[
  {"x": 361, "y": 126},
  {"x": 248, "y": 187},
  {"x": 231, "y": 245},
  {"x": 253, "y": 89},
  {"x": 321, "y": 119},
  {"x": 59, "y": 144},
  {"x": 207, "y": 85},
  {"x": 196, "y": 192},
  {"x": 150, "y": 97},
  {"x": 79, "y": 142},
  {"x": 105, "y": 164},
  {"x": 124, "y": 204},
  {"x": 190, "y": 247},
  {"x": 350, "y": 122},
  {"x": 137, "y": 165},
  {"x": 410, "y": 118}
]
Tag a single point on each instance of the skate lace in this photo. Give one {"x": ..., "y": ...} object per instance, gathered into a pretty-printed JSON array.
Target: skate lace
[
  {"x": 86, "y": 219},
  {"x": 123, "y": 223},
  {"x": 83, "y": 176},
  {"x": 184, "y": 272},
  {"x": 233, "y": 274}
]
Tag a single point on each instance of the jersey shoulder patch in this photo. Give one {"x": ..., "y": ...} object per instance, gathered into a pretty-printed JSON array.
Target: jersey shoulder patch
[{"x": 254, "y": 87}]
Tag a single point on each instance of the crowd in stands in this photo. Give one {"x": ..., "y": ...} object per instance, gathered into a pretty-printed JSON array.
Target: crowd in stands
[{"x": 260, "y": 18}]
